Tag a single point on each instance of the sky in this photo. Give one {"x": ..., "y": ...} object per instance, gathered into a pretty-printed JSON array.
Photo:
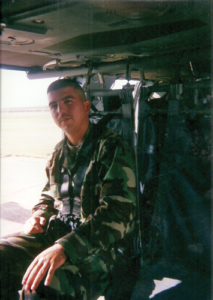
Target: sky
[{"x": 19, "y": 91}]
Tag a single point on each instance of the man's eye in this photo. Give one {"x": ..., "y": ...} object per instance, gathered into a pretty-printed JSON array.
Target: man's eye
[
  {"x": 53, "y": 106},
  {"x": 67, "y": 101}
]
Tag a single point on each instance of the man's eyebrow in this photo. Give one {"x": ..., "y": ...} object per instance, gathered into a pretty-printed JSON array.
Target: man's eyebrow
[
  {"x": 52, "y": 103},
  {"x": 65, "y": 98}
]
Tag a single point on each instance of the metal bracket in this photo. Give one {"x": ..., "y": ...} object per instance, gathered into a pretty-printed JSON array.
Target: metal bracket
[
  {"x": 88, "y": 76},
  {"x": 101, "y": 79}
]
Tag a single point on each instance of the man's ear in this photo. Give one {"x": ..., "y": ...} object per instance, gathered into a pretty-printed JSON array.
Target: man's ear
[{"x": 87, "y": 106}]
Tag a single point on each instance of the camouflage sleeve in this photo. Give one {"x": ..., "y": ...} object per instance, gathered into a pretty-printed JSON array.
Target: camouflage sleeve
[
  {"x": 113, "y": 218},
  {"x": 46, "y": 205}
]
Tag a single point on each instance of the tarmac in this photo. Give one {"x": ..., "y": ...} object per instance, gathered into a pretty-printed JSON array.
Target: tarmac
[{"x": 22, "y": 179}]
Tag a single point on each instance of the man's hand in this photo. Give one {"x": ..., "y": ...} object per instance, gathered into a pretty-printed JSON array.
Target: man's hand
[
  {"x": 46, "y": 262},
  {"x": 34, "y": 225}
]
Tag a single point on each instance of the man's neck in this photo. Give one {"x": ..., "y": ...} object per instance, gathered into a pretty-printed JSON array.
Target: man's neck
[{"x": 76, "y": 138}]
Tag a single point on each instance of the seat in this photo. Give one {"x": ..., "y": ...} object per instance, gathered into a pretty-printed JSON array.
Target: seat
[{"x": 177, "y": 178}]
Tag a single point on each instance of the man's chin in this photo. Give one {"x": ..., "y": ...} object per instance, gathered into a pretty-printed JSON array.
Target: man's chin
[{"x": 67, "y": 127}]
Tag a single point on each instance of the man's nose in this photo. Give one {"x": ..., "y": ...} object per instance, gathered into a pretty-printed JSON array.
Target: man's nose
[{"x": 61, "y": 107}]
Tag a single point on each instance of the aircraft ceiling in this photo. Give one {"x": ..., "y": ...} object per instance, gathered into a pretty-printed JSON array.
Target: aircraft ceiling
[{"x": 164, "y": 39}]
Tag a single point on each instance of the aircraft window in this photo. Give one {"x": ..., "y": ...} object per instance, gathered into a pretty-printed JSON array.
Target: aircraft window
[
  {"x": 98, "y": 103},
  {"x": 120, "y": 83},
  {"x": 25, "y": 114},
  {"x": 28, "y": 135}
]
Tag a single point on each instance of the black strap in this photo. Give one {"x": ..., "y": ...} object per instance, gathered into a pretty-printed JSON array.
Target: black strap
[
  {"x": 65, "y": 193},
  {"x": 84, "y": 160}
]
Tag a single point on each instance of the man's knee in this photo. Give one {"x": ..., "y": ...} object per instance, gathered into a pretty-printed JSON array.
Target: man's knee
[{"x": 14, "y": 260}]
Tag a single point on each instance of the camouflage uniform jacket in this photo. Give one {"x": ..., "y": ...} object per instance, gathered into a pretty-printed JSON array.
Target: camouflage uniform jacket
[{"x": 107, "y": 195}]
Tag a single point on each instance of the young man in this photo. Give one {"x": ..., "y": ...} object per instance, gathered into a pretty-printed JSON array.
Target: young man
[{"x": 67, "y": 249}]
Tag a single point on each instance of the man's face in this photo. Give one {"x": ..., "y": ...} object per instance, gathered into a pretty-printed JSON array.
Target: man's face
[{"x": 68, "y": 109}]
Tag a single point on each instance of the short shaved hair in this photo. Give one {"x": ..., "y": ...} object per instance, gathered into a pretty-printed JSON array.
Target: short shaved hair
[{"x": 65, "y": 82}]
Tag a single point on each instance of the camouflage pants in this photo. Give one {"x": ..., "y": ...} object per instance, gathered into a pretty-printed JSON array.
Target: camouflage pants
[{"x": 87, "y": 280}]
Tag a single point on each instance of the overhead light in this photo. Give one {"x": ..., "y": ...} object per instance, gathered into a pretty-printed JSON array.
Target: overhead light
[
  {"x": 2, "y": 26},
  {"x": 38, "y": 21},
  {"x": 157, "y": 95}
]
